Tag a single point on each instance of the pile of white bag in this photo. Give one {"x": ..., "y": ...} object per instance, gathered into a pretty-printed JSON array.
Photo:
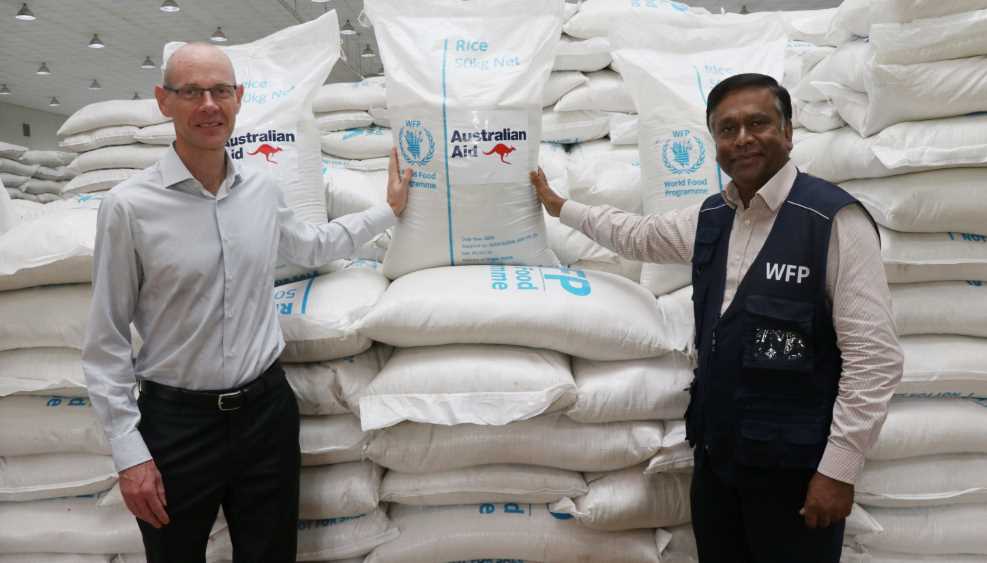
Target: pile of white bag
[
  {"x": 34, "y": 175},
  {"x": 904, "y": 86}
]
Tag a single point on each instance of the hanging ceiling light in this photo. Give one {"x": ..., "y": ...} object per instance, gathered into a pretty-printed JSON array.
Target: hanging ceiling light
[
  {"x": 4, "y": 91},
  {"x": 136, "y": 96},
  {"x": 95, "y": 85},
  {"x": 43, "y": 70},
  {"x": 169, "y": 6},
  {"x": 95, "y": 43},
  {"x": 320, "y": 1},
  {"x": 368, "y": 53},
  {"x": 54, "y": 102},
  {"x": 25, "y": 14},
  {"x": 347, "y": 29},
  {"x": 218, "y": 36},
  {"x": 148, "y": 64}
]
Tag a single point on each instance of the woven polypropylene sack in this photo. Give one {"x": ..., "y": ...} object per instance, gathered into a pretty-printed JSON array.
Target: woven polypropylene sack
[{"x": 486, "y": 483}]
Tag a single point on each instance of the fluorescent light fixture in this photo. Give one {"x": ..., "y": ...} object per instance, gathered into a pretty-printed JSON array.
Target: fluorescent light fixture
[
  {"x": 148, "y": 64},
  {"x": 95, "y": 43},
  {"x": 43, "y": 70},
  {"x": 25, "y": 14},
  {"x": 368, "y": 53},
  {"x": 54, "y": 102},
  {"x": 218, "y": 36},
  {"x": 95, "y": 85},
  {"x": 4, "y": 91},
  {"x": 169, "y": 6},
  {"x": 347, "y": 29}
]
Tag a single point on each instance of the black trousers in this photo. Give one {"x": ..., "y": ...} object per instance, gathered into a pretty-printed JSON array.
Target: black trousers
[
  {"x": 755, "y": 518},
  {"x": 246, "y": 461}
]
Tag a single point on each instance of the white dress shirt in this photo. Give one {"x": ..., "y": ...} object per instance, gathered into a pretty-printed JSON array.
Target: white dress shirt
[
  {"x": 856, "y": 286},
  {"x": 194, "y": 273}
]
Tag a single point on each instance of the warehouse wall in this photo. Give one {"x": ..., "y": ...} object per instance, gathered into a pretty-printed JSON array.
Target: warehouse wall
[{"x": 43, "y": 126}]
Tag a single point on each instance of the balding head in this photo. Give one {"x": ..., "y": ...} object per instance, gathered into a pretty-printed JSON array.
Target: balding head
[{"x": 194, "y": 59}]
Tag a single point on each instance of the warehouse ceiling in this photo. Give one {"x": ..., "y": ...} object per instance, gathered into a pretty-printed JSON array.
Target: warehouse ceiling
[{"x": 133, "y": 30}]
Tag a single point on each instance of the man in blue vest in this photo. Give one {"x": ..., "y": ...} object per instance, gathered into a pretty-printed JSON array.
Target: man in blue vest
[{"x": 797, "y": 353}]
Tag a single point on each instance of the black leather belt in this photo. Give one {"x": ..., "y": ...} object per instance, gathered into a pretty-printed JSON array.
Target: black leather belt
[{"x": 225, "y": 401}]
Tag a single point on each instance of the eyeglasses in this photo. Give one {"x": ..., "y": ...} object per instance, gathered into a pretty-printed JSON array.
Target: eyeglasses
[{"x": 218, "y": 92}]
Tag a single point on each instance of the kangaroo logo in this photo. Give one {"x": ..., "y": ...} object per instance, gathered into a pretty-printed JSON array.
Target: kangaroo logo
[
  {"x": 416, "y": 143},
  {"x": 268, "y": 151},
  {"x": 501, "y": 150},
  {"x": 683, "y": 153}
]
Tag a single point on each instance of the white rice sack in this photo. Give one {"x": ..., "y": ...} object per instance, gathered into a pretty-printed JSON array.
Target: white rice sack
[
  {"x": 553, "y": 159},
  {"x": 11, "y": 151},
  {"x": 343, "y": 489},
  {"x": 49, "y": 425},
  {"x": 871, "y": 556},
  {"x": 319, "y": 315},
  {"x": 56, "y": 248},
  {"x": 574, "y": 126},
  {"x": 648, "y": 389},
  {"x": 588, "y": 160},
  {"x": 818, "y": 116},
  {"x": 334, "y": 386},
  {"x": 810, "y": 26},
  {"x": 98, "y": 180},
  {"x": 550, "y": 440},
  {"x": 573, "y": 247},
  {"x": 37, "y": 187},
  {"x": 840, "y": 155},
  {"x": 675, "y": 455},
  {"x": 944, "y": 365},
  {"x": 359, "y": 144},
  {"x": 51, "y": 316},
  {"x": 596, "y": 18},
  {"x": 160, "y": 134},
  {"x": 342, "y": 538},
  {"x": 596, "y": 315},
  {"x": 624, "y": 128},
  {"x": 382, "y": 117},
  {"x": 18, "y": 168},
  {"x": 59, "y": 558},
  {"x": 923, "y": 257},
  {"x": 39, "y": 370},
  {"x": 60, "y": 172},
  {"x": 139, "y": 113},
  {"x": 99, "y": 138},
  {"x": 349, "y": 190},
  {"x": 948, "y": 200},
  {"x": 17, "y": 194},
  {"x": 51, "y": 159},
  {"x": 937, "y": 530},
  {"x": 506, "y": 532},
  {"x": 952, "y": 307},
  {"x": 467, "y": 384},
  {"x": 350, "y": 96},
  {"x": 847, "y": 66},
  {"x": 617, "y": 184},
  {"x": 275, "y": 130},
  {"x": 11, "y": 181},
  {"x": 934, "y": 39},
  {"x": 628, "y": 499},
  {"x": 800, "y": 58},
  {"x": 466, "y": 120},
  {"x": 680, "y": 544},
  {"x": 925, "y": 427},
  {"x": 49, "y": 198},
  {"x": 36, "y": 477},
  {"x": 124, "y": 156},
  {"x": 561, "y": 83},
  {"x": 326, "y": 440},
  {"x": 924, "y": 481},
  {"x": 74, "y": 525},
  {"x": 486, "y": 483},
  {"x": 587, "y": 55},
  {"x": 605, "y": 91},
  {"x": 339, "y": 120},
  {"x": 937, "y": 143}
]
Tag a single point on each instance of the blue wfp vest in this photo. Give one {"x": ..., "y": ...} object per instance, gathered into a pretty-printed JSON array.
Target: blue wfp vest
[{"x": 769, "y": 367}]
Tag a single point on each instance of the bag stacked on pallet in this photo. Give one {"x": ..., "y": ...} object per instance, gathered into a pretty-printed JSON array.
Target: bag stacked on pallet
[
  {"x": 916, "y": 161},
  {"x": 34, "y": 175}
]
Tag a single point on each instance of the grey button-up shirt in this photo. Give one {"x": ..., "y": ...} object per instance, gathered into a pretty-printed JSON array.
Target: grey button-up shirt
[{"x": 194, "y": 272}]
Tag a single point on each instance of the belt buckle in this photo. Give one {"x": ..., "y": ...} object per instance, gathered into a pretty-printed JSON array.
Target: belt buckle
[{"x": 235, "y": 394}]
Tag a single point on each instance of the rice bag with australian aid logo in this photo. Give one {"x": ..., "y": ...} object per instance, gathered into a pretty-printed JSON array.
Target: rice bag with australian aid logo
[
  {"x": 670, "y": 65},
  {"x": 464, "y": 91},
  {"x": 275, "y": 129}
]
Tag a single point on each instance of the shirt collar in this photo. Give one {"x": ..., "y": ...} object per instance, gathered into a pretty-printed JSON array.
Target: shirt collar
[
  {"x": 774, "y": 192},
  {"x": 174, "y": 173}
]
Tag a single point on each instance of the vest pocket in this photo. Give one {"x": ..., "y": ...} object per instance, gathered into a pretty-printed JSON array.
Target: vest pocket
[
  {"x": 778, "y": 334},
  {"x": 776, "y": 443}
]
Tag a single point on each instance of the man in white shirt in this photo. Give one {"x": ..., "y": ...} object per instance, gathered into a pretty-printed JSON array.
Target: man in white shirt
[{"x": 185, "y": 251}]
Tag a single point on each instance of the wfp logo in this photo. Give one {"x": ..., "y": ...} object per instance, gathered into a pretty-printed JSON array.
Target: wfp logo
[
  {"x": 683, "y": 153},
  {"x": 417, "y": 144}
]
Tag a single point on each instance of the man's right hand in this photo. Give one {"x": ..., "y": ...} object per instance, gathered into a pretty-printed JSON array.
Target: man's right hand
[
  {"x": 143, "y": 492},
  {"x": 552, "y": 201}
]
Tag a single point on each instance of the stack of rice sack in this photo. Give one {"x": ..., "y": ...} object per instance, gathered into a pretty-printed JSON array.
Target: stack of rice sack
[
  {"x": 34, "y": 175},
  {"x": 352, "y": 120},
  {"x": 913, "y": 152},
  {"x": 106, "y": 137}
]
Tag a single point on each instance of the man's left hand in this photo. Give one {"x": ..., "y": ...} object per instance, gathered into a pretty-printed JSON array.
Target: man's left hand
[
  {"x": 397, "y": 185},
  {"x": 827, "y": 501}
]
